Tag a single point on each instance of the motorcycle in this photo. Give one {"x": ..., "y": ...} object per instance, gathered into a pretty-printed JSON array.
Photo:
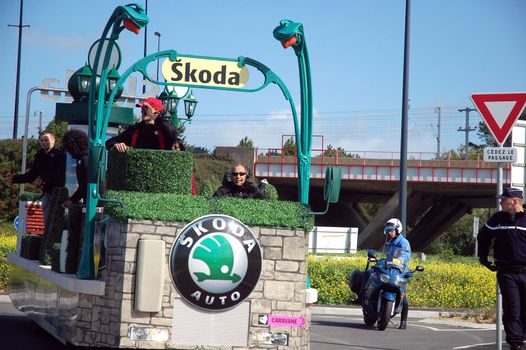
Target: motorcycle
[{"x": 381, "y": 289}]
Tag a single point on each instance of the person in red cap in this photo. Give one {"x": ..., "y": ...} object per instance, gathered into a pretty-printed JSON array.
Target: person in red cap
[{"x": 151, "y": 132}]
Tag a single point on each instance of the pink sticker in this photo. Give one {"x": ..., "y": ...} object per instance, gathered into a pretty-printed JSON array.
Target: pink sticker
[{"x": 288, "y": 321}]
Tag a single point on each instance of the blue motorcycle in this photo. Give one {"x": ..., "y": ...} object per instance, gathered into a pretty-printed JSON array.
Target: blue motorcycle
[{"x": 381, "y": 289}]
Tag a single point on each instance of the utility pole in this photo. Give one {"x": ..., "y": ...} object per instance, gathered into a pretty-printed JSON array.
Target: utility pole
[
  {"x": 438, "y": 110},
  {"x": 17, "y": 88},
  {"x": 145, "y": 44},
  {"x": 467, "y": 129}
]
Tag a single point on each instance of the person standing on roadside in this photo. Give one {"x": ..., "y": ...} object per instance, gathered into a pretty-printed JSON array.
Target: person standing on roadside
[
  {"x": 48, "y": 169},
  {"x": 506, "y": 229}
]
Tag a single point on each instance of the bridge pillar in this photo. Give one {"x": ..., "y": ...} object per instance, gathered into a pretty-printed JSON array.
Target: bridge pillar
[
  {"x": 441, "y": 216},
  {"x": 372, "y": 236}
]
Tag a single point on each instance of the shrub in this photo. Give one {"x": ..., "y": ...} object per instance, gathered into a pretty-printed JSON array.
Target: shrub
[
  {"x": 55, "y": 224},
  {"x": 173, "y": 207},
  {"x": 153, "y": 171},
  {"x": 441, "y": 285}
]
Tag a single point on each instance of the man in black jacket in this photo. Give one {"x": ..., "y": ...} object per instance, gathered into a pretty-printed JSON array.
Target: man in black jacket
[
  {"x": 48, "y": 169},
  {"x": 507, "y": 230},
  {"x": 235, "y": 184},
  {"x": 151, "y": 133}
]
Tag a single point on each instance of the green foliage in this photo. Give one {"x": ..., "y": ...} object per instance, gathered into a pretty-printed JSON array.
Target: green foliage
[
  {"x": 30, "y": 196},
  {"x": 173, "y": 207},
  {"x": 246, "y": 142},
  {"x": 210, "y": 169},
  {"x": 7, "y": 244},
  {"x": 59, "y": 129},
  {"x": 271, "y": 192},
  {"x": 458, "y": 284},
  {"x": 150, "y": 171},
  {"x": 289, "y": 148},
  {"x": 10, "y": 160}
]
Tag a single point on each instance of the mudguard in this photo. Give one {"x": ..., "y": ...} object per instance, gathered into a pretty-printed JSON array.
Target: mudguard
[{"x": 389, "y": 296}]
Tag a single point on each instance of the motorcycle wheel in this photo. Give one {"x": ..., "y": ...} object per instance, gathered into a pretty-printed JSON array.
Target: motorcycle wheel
[
  {"x": 369, "y": 321},
  {"x": 387, "y": 306}
]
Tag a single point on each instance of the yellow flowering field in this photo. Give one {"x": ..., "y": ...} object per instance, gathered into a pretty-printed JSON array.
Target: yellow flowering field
[
  {"x": 441, "y": 285},
  {"x": 7, "y": 245}
]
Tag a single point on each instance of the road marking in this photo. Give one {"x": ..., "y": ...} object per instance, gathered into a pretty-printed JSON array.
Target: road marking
[{"x": 473, "y": 346}]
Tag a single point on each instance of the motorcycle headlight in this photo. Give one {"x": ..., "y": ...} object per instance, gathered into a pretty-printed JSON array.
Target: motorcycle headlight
[
  {"x": 384, "y": 278},
  {"x": 400, "y": 281}
]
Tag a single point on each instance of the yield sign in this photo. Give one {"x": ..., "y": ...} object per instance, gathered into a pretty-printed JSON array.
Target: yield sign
[{"x": 500, "y": 111}]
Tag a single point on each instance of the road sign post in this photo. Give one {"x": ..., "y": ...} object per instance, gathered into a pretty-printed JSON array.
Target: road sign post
[{"x": 500, "y": 111}]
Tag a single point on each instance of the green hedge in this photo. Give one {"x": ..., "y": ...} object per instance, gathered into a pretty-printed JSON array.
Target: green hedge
[
  {"x": 173, "y": 207},
  {"x": 441, "y": 285},
  {"x": 141, "y": 170}
]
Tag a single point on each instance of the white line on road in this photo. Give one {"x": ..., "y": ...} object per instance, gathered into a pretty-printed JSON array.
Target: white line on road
[{"x": 473, "y": 346}]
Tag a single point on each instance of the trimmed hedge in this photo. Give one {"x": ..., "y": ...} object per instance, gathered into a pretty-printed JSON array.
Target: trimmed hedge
[
  {"x": 441, "y": 285},
  {"x": 173, "y": 207},
  {"x": 153, "y": 171}
]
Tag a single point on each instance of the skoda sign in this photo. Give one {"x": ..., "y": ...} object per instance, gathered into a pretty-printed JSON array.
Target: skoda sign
[{"x": 215, "y": 262}]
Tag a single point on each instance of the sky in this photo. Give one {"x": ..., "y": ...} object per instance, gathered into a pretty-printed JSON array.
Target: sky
[{"x": 356, "y": 51}]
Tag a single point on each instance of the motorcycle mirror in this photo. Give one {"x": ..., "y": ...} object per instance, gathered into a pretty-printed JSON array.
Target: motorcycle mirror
[
  {"x": 419, "y": 268},
  {"x": 371, "y": 253}
]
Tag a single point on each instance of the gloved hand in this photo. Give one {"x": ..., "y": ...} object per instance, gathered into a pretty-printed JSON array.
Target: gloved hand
[{"x": 487, "y": 264}]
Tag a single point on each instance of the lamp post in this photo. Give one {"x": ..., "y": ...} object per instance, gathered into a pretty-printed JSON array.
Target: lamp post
[
  {"x": 158, "y": 35},
  {"x": 170, "y": 99}
]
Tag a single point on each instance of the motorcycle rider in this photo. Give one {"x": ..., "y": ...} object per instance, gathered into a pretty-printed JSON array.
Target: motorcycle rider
[{"x": 396, "y": 244}]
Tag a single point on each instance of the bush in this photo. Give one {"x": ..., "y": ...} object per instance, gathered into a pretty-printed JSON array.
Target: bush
[
  {"x": 173, "y": 207},
  {"x": 7, "y": 245},
  {"x": 441, "y": 285},
  {"x": 152, "y": 171}
]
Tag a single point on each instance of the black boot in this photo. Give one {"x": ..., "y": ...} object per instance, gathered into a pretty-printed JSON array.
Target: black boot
[{"x": 405, "y": 312}]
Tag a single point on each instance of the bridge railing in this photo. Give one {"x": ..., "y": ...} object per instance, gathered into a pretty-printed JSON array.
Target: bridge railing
[{"x": 380, "y": 166}]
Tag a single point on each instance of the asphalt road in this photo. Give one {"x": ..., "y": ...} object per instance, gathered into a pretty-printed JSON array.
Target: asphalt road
[{"x": 331, "y": 330}]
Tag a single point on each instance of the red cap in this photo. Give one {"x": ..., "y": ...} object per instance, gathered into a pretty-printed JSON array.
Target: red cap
[{"x": 155, "y": 103}]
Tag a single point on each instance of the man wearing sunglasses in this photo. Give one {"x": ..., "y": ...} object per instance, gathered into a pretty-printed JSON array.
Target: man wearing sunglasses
[
  {"x": 151, "y": 133},
  {"x": 235, "y": 184}
]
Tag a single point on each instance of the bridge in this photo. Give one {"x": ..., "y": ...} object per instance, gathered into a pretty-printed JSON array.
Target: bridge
[{"x": 439, "y": 192}]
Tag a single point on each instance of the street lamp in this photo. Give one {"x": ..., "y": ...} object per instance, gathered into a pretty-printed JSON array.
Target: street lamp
[
  {"x": 158, "y": 35},
  {"x": 189, "y": 105},
  {"x": 170, "y": 99}
]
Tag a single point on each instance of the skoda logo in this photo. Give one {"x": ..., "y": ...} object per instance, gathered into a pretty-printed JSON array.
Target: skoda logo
[{"x": 215, "y": 263}]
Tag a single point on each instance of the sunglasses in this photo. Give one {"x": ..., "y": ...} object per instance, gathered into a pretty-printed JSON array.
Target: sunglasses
[{"x": 240, "y": 174}]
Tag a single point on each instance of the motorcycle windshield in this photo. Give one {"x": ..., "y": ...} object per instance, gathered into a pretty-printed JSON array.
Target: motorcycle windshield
[{"x": 395, "y": 257}]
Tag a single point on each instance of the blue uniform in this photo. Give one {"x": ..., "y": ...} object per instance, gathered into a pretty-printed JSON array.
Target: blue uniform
[{"x": 400, "y": 248}]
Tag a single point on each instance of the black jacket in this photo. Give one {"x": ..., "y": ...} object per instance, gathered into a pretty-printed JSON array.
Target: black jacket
[
  {"x": 148, "y": 136},
  {"x": 247, "y": 191},
  {"x": 50, "y": 167},
  {"x": 509, "y": 235},
  {"x": 81, "y": 171}
]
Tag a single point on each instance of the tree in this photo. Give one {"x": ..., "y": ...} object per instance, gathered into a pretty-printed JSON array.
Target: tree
[
  {"x": 57, "y": 128},
  {"x": 246, "y": 142},
  {"x": 289, "y": 148}
]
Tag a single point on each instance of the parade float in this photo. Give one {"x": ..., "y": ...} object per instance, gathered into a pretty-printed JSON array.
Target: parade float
[{"x": 148, "y": 265}]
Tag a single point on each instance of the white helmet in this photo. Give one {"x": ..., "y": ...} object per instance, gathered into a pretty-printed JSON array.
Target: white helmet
[{"x": 393, "y": 224}]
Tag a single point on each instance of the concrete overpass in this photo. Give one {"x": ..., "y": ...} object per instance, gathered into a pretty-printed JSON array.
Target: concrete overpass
[{"x": 440, "y": 192}]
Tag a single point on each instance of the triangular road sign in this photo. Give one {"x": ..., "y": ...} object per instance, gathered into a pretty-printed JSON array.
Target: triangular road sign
[{"x": 500, "y": 111}]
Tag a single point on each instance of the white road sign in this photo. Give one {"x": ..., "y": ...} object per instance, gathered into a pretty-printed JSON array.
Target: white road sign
[{"x": 500, "y": 154}]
